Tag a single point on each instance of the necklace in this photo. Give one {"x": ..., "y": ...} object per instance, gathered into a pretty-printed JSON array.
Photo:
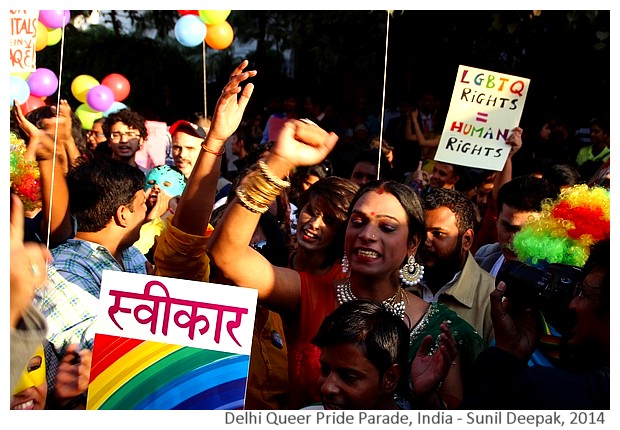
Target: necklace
[{"x": 397, "y": 307}]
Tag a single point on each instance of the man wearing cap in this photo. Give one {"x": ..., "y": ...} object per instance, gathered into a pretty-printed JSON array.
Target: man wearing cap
[{"x": 186, "y": 140}]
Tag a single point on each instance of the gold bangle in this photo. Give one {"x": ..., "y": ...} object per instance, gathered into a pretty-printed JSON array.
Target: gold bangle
[
  {"x": 246, "y": 202},
  {"x": 271, "y": 177},
  {"x": 210, "y": 151}
]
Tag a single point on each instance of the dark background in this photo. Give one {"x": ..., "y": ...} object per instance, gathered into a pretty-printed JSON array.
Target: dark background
[{"x": 339, "y": 56}]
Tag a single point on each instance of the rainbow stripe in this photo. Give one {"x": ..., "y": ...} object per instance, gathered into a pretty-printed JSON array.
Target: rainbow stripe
[{"x": 133, "y": 374}]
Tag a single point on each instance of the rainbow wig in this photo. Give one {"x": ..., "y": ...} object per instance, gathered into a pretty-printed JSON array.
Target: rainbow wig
[
  {"x": 24, "y": 175},
  {"x": 567, "y": 228}
]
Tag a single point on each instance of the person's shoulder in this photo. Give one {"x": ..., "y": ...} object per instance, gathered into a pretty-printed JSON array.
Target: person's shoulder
[{"x": 70, "y": 248}]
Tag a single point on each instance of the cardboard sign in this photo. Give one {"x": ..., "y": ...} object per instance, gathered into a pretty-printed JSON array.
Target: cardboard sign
[
  {"x": 165, "y": 343},
  {"x": 484, "y": 108},
  {"x": 23, "y": 40}
]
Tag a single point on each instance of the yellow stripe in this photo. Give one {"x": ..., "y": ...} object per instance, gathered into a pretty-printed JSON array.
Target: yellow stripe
[{"x": 124, "y": 369}]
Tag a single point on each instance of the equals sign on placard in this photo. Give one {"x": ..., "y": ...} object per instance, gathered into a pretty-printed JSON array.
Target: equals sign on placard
[{"x": 482, "y": 117}]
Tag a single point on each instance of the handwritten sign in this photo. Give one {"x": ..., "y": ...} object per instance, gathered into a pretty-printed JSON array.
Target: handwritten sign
[
  {"x": 484, "y": 108},
  {"x": 165, "y": 343},
  {"x": 23, "y": 40}
]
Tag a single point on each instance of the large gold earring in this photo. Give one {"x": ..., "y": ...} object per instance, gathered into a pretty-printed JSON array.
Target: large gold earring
[{"x": 411, "y": 273}]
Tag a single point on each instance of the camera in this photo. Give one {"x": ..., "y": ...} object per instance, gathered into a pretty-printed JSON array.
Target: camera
[{"x": 549, "y": 290}]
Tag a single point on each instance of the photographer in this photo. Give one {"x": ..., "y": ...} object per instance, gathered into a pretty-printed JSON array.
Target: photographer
[{"x": 502, "y": 378}]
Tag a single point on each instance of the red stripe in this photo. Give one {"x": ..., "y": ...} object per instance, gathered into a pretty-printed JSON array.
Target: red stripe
[{"x": 107, "y": 349}]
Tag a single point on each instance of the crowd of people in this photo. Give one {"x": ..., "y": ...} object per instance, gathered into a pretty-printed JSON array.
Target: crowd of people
[{"x": 383, "y": 276}]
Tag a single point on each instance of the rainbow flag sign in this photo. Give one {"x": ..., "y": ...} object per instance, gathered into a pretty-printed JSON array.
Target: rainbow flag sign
[{"x": 163, "y": 344}]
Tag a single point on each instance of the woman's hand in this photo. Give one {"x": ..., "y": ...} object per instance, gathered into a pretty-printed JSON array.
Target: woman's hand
[
  {"x": 301, "y": 143},
  {"x": 229, "y": 109},
  {"x": 428, "y": 371}
]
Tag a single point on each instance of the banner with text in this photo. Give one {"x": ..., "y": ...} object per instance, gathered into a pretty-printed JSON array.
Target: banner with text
[
  {"x": 23, "y": 40},
  {"x": 165, "y": 343},
  {"x": 484, "y": 108}
]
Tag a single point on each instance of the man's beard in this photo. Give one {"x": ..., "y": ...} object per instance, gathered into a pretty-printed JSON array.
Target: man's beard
[{"x": 448, "y": 266}]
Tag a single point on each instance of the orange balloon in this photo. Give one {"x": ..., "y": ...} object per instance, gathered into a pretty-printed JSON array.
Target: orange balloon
[
  {"x": 219, "y": 36},
  {"x": 41, "y": 37}
]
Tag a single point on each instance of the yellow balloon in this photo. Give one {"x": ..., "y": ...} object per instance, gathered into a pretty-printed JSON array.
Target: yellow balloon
[
  {"x": 41, "y": 36},
  {"x": 213, "y": 17},
  {"x": 87, "y": 116},
  {"x": 53, "y": 36},
  {"x": 22, "y": 75},
  {"x": 81, "y": 85}
]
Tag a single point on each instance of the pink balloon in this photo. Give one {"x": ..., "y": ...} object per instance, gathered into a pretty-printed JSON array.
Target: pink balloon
[
  {"x": 54, "y": 18},
  {"x": 42, "y": 82},
  {"x": 100, "y": 98},
  {"x": 118, "y": 84}
]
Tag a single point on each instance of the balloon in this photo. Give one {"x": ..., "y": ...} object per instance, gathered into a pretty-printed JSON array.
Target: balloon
[
  {"x": 116, "y": 106},
  {"x": 100, "y": 98},
  {"x": 54, "y": 18},
  {"x": 212, "y": 17},
  {"x": 219, "y": 36},
  {"x": 31, "y": 104},
  {"x": 188, "y": 12},
  {"x": 53, "y": 36},
  {"x": 19, "y": 90},
  {"x": 22, "y": 75},
  {"x": 42, "y": 82},
  {"x": 118, "y": 84},
  {"x": 87, "y": 116},
  {"x": 81, "y": 85},
  {"x": 41, "y": 40},
  {"x": 190, "y": 30}
]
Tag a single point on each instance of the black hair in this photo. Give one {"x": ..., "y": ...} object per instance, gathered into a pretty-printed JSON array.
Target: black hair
[
  {"x": 336, "y": 193},
  {"x": 371, "y": 155},
  {"x": 599, "y": 258},
  {"x": 526, "y": 193},
  {"x": 408, "y": 199},
  {"x": 457, "y": 202},
  {"x": 36, "y": 117},
  {"x": 382, "y": 337},
  {"x": 98, "y": 187},
  {"x": 602, "y": 122},
  {"x": 562, "y": 175},
  {"x": 129, "y": 118}
]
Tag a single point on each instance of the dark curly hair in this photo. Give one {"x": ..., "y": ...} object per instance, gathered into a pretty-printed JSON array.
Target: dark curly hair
[
  {"x": 128, "y": 117},
  {"x": 457, "y": 202}
]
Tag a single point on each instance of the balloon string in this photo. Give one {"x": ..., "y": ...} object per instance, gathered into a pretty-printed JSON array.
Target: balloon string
[
  {"x": 387, "y": 37},
  {"x": 204, "y": 76},
  {"x": 62, "y": 49}
]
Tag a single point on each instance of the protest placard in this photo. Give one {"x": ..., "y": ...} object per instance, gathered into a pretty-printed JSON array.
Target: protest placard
[
  {"x": 484, "y": 108},
  {"x": 23, "y": 40},
  {"x": 164, "y": 343}
]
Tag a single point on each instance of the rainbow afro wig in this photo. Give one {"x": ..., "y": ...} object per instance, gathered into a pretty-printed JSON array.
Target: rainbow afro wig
[
  {"x": 25, "y": 182},
  {"x": 567, "y": 228}
]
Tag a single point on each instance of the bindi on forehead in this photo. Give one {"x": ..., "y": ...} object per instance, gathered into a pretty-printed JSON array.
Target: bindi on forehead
[{"x": 372, "y": 214}]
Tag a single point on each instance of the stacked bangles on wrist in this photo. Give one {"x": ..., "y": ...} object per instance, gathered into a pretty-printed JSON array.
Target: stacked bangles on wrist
[{"x": 261, "y": 188}]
